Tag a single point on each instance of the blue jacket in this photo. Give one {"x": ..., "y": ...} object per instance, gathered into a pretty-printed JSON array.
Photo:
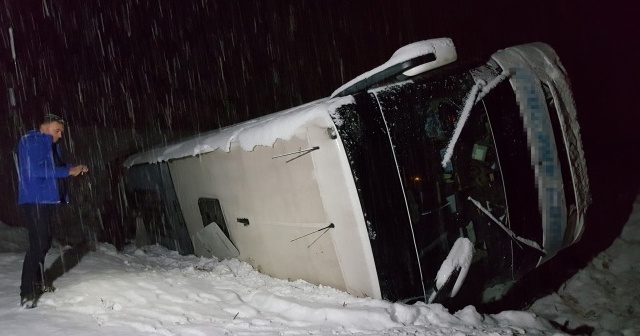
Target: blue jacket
[{"x": 37, "y": 173}]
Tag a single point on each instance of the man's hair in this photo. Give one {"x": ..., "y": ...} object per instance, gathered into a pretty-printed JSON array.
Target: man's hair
[{"x": 50, "y": 117}]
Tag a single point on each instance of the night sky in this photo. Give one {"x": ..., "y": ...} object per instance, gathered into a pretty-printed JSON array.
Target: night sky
[{"x": 185, "y": 66}]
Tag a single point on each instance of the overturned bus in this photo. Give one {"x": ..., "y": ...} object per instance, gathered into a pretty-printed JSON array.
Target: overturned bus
[{"x": 409, "y": 179}]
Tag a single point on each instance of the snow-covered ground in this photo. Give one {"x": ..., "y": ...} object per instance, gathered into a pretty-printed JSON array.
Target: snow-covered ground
[
  {"x": 156, "y": 291},
  {"x": 606, "y": 294},
  {"x": 152, "y": 291}
]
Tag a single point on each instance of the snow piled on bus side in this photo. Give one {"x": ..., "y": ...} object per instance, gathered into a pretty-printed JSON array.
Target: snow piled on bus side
[
  {"x": 263, "y": 131},
  {"x": 154, "y": 291}
]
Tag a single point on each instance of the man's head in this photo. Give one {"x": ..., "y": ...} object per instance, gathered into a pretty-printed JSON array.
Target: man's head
[{"x": 52, "y": 125}]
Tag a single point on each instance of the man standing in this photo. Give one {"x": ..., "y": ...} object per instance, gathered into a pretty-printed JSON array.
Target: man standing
[{"x": 40, "y": 188}]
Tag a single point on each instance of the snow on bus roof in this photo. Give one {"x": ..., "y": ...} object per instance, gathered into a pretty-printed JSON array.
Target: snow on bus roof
[{"x": 263, "y": 131}]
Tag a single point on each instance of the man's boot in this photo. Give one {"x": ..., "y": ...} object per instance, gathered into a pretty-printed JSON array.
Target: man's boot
[{"x": 28, "y": 301}]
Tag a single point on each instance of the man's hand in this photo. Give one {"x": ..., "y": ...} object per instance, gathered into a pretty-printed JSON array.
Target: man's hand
[{"x": 77, "y": 170}]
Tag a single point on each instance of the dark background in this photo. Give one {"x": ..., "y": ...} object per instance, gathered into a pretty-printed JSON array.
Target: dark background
[
  {"x": 135, "y": 73},
  {"x": 202, "y": 64}
]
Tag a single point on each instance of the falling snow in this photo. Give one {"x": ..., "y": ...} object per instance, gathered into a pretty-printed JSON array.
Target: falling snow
[{"x": 133, "y": 75}]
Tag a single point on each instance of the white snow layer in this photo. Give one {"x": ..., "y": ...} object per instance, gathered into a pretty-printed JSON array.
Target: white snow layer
[
  {"x": 459, "y": 258},
  {"x": 153, "y": 291},
  {"x": 479, "y": 90},
  {"x": 606, "y": 294},
  {"x": 443, "y": 48},
  {"x": 464, "y": 115},
  {"x": 263, "y": 131}
]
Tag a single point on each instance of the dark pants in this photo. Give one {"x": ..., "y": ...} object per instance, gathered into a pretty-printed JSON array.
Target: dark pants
[{"x": 39, "y": 218}]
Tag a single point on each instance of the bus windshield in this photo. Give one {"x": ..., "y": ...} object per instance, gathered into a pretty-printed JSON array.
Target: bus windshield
[{"x": 438, "y": 199}]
